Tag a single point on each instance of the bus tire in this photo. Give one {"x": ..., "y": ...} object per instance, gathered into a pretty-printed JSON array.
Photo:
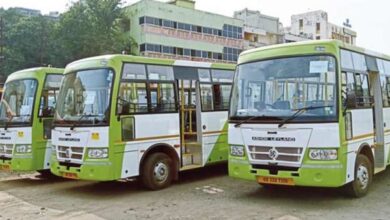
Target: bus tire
[
  {"x": 363, "y": 177},
  {"x": 157, "y": 172}
]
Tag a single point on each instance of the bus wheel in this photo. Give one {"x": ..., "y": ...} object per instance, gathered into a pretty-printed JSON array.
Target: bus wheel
[
  {"x": 157, "y": 172},
  {"x": 363, "y": 177}
]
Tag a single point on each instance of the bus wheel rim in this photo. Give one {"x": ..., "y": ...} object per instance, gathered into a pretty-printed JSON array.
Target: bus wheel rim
[
  {"x": 362, "y": 176},
  {"x": 160, "y": 171}
]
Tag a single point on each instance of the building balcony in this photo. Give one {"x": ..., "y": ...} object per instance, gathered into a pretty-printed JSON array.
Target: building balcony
[
  {"x": 194, "y": 36},
  {"x": 252, "y": 45},
  {"x": 181, "y": 57}
]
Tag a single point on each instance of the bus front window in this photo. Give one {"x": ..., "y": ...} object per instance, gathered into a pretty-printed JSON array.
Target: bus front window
[
  {"x": 17, "y": 104},
  {"x": 278, "y": 88},
  {"x": 85, "y": 97}
]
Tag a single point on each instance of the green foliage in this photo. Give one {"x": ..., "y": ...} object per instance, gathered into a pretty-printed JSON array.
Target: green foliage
[{"x": 88, "y": 28}]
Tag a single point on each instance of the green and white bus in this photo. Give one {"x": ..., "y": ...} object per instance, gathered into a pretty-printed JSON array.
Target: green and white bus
[
  {"x": 120, "y": 117},
  {"x": 315, "y": 113},
  {"x": 26, "y": 114}
]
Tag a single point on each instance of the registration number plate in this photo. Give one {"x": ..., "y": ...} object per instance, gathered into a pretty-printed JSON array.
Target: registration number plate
[
  {"x": 5, "y": 167},
  {"x": 276, "y": 180},
  {"x": 70, "y": 175}
]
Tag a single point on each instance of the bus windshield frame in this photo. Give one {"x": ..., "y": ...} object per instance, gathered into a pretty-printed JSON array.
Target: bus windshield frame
[
  {"x": 20, "y": 110},
  {"x": 273, "y": 90},
  {"x": 81, "y": 98}
]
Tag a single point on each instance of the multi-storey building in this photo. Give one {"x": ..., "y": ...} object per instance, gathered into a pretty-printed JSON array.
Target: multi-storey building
[
  {"x": 177, "y": 30},
  {"x": 259, "y": 29},
  {"x": 315, "y": 25},
  {"x": 27, "y": 11}
]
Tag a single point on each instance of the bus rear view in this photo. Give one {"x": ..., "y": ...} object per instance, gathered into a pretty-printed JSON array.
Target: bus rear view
[{"x": 291, "y": 117}]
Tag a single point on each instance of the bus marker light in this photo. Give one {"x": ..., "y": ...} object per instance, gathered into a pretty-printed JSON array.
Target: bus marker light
[
  {"x": 95, "y": 136},
  {"x": 20, "y": 134},
  {"x": 5, "y": 167},
  {"x": 69, "y": 175}
]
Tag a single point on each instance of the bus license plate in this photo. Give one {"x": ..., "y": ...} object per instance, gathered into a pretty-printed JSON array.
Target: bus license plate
[
  {"x": 276, "y": 180},
  {"x": 5, "y": 167},
  {"x": 70, "y": 175}
]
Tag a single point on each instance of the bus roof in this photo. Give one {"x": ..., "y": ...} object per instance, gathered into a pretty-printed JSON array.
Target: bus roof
[
  {"x": 103, "y": 61},
  {"x": 304, "y": 47},
  {"x": 36, "y": 72}
]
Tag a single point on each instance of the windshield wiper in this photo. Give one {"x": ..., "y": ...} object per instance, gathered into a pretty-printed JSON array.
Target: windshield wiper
[
  {"x": 245, "y": 121},
  {"x": 300, "y": 111},
  {"x": 82, "y": 116}
]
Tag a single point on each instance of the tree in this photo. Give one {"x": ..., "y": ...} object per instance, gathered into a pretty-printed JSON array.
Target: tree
[
  {"x": 88, "y": 28},
  {"x": 28, "y": 41},
  {"x": 91, "y": 28}
]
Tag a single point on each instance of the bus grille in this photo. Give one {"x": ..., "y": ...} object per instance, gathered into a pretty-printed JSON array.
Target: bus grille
[
  {"x": 276, "y": 154},
  {"x": 74, "y": 154},
  {"x": 6, "y": 150}
]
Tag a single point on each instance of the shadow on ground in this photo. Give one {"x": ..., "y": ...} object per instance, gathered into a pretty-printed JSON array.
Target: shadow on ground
[{"x": 126, "y": 188}]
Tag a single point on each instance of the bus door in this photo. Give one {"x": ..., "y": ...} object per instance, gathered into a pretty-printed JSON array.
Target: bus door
[
  {"x": 190, "y": 127},
  {"x": 190, "y": 133},
  {"x": 379, "y": 125},
  {"x": 47, "y": 104}
]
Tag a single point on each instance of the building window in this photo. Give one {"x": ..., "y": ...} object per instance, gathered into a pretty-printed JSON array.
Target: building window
[
  {"x": 179, "y": 51},
  {"x": 300, "y": 24},
  {"x": 318, "y": 28},
  {"x": 142, "y": 20},
  {"x": 187, "y": 52},
  {"x": 142, "y": 47},
  {"x": 318, "y": 37},
  {"x": 231, "y": 31},
  {"x": 231, "y": 54}
]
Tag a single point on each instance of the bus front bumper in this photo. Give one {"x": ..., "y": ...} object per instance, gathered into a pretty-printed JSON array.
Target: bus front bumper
[
  {"x": 95, "y": 171},
  {"x": 18, "y": 163},
  {"x": 324, "y": 174}
]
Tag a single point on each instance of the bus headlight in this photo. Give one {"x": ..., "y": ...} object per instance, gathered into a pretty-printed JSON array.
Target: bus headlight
[
  {"x": 323, "y": 154},
  {"x": 98, "y": 153},
  {"x": 237, "y": 151},
  {"x": 23, "y": 149}
]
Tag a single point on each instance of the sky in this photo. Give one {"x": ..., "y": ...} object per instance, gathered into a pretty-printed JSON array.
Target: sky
[{"x": 369, "y": 18}]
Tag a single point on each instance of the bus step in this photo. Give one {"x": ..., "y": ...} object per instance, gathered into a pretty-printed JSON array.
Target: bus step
[
  {"x": 191, "y": 159},
  {"x": 191, "y": 167},
  {"x": 192, "y": 144}
]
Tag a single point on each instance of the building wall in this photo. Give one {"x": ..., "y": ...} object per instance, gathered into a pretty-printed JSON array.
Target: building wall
[
  {"x": 159, "y": 34},
  {"x": 259, "y": 29},
  {"x": 315, "y": 25}
]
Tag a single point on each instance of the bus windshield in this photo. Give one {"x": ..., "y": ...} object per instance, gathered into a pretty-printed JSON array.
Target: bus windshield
[
  {"x": 85, "y": 97},
  {"x": 277, "y": 89},
  {"x": 18, "y": 101}
]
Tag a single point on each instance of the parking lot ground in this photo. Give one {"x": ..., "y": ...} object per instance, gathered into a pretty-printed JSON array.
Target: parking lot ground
[{"x": 200, "y": 194}]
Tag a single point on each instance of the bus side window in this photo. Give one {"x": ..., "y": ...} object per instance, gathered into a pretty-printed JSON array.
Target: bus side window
[
  {"x": 366, "y": 90},
  {"x": 384, "y": 91},
  {"x": 132, "y": 98},
  {"x": 49, "y": 95},
  {"x": 351, "y": 91},
  {"x": 162, "y": 97},
  {"x": 207, "y": 97},
  {"x": 221, "y": 97}
]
